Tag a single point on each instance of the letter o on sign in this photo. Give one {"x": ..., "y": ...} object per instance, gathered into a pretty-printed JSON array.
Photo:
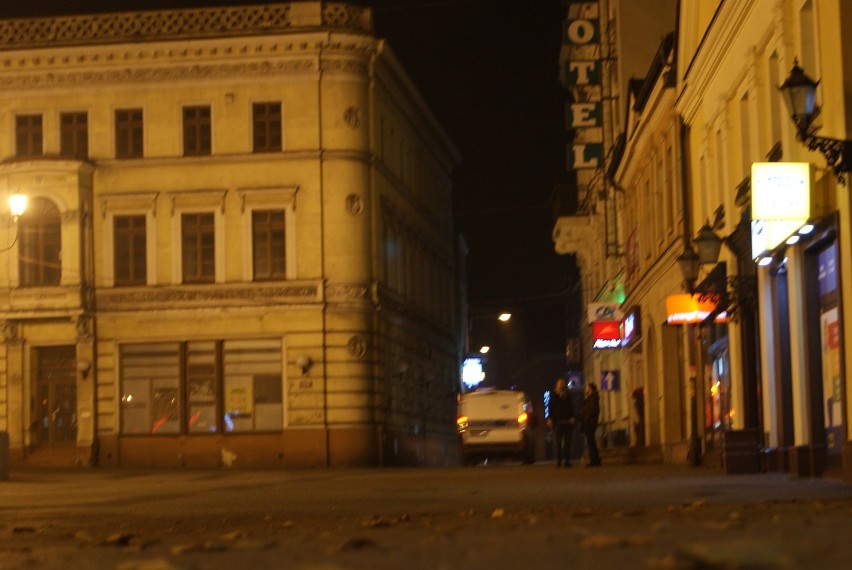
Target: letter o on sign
[{"x": 581, "y": 31}]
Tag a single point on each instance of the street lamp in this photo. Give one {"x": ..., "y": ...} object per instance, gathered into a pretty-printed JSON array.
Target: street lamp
[
  {"x": 799, "y": 93},
  {"x": 17, "y": 206}
]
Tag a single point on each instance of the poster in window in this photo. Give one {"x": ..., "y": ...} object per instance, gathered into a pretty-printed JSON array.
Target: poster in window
[
  {"x": 239, "y": 403},
  {"x": 831, "y": 384}
]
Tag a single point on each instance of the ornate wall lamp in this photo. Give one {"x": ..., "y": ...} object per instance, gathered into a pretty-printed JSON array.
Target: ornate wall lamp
[
  {"x": 799, "y": 92},
  {"x": 17, "y": 207},
  {"x": 730, "y": 293}
]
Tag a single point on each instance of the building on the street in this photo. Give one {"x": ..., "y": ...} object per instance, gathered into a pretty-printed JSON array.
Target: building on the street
[
  {"x": 646, "y": 170},
  {"x": 238, "y": 246},
  {"x": 607, "y": 46},
  {"x": 784, "y": 217}
]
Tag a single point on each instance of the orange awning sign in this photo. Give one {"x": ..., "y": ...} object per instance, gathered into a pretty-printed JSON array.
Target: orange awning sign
[{"x": 684, "y": 309}]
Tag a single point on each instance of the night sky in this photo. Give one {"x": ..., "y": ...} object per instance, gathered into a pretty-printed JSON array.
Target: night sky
[{"x": 488, "y": 69}]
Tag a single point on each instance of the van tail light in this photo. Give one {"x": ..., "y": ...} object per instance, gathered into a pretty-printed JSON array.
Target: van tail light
[
  {"x": 522, "y": 419},
  {"x": 462, "y": 423}
]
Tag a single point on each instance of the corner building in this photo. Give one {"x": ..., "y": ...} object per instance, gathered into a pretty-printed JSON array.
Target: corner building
[{"x": 237, "y": 248}]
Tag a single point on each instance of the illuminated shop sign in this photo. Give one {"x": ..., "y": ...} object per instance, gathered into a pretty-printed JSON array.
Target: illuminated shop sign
[
  {"x": 606, "y": 334},
  {"x": 472, "y": 373},
  {"x": 631, "y": 327},
  {"x": 780, "y": 202},
  {"x": 685, "y": 309},
  {"x": 604, "y": 312}
]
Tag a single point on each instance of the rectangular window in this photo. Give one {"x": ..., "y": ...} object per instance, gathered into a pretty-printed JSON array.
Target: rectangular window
[
  {"x": 128, "y": 133},
  {"x": 150, "y": 388},
  {"x": 28, "y": 135},
  {"x": 74, "y": 135},
  {"x": 252, "y": 381},
  {"x": 130, "y": 250},
  {"x": 40, "y": 245},
  {"x": 266, "y": 121},
  {"x": 201, "y": 387},
  {"x": 196, "y": 131},
  {"x": 198, "y": 248},
  {"x": 268, "y": 244}
]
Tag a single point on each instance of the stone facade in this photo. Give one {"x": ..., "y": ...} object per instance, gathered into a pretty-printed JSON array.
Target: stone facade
[{"x": 204, "y": 335}]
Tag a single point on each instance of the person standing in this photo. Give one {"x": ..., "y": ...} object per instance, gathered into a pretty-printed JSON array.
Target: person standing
[
  {"x": 589, "y": 415},
  {"x": 561, "y": 418}
]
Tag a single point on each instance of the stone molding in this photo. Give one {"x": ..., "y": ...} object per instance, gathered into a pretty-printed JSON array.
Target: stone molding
[
  {"x": 215, "y": 295},
  {"x": 348, "y": 292}
]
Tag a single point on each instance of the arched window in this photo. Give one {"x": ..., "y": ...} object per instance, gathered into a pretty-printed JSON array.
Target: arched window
[{"x": 40, "y": 244}]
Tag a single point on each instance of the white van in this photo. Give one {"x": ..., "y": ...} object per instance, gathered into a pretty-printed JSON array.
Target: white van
[{"x": 492, "y": 423}]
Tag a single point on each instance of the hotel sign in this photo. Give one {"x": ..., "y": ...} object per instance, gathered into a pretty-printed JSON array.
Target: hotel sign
[{"x": 584, "y": 115}]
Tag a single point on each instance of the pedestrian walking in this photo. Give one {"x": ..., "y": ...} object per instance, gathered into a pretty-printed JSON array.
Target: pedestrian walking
[
  {"x": 562, "y": 417},
  {"x": 589, "y": 414}
]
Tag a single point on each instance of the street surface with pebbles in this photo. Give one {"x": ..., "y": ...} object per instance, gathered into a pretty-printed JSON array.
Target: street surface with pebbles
[{"x": 484, "y": 517}]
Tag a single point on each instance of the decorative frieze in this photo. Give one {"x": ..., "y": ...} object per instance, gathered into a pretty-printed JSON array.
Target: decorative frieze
[
  {"x": 159, "y": 74},
  {"x": 177, "y": 24},
  {"x": 123, "y": 300},
  {"x": 347, "y": 292}
]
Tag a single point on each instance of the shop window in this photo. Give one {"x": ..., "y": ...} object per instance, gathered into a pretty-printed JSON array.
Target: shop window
[
  {"x": 201, "y": 387},
  {"x": 150, "y": 388},
  {"x": 28, "y": 135},
  {"x": 130, "y": 261},
  {"x": 252, "y": 380},
  {"x": 268, "y": 247},
  {"x": 74, "y": 135},
  {"x": 198, "y": 248},
  {"x": 196, "y": 131},
  {"x": 266, "y": 121},
  {"x": 39, "y": 244},
  {"x": 128, "y": 133}
]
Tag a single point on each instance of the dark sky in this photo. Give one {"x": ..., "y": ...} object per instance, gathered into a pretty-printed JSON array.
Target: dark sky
[{"x": 488, "y": 69}]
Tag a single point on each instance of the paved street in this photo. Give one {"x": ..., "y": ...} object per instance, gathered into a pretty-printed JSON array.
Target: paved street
[{"x": 499, "y": 516}]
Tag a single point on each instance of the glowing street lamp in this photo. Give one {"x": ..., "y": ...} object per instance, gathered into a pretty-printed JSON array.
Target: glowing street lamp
[
  {"x": 17, "y": 205},
  {"x": 504, "y": 317}
]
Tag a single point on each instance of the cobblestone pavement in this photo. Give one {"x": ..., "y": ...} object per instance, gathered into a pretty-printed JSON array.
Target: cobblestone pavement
[{"x": 486, "y": 517}]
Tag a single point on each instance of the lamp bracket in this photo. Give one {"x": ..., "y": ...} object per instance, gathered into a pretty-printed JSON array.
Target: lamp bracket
[
  {"x": 837, "y": 152},
  {"x": 731, "y": 294}
]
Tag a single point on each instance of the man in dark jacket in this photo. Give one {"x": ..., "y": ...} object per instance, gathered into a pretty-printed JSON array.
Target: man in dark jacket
[
  {"x": 589, "y": 414},
  {"x": 561, "y": 418}
]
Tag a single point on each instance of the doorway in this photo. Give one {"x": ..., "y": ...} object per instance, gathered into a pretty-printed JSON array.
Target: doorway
[{"x": 55, "y": 409}]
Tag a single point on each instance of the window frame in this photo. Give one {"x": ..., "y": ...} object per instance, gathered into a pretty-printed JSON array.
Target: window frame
[
  {"x": 272, "y": 198},
  {"x": 31, "y": 133},
  {"x": 125, "y": 133},
  {"x": 270, "y": 228},
  {"x": 267, "y": 142},
  {"x": 132, "y": 280},
  {"x": 200, "y": 129},
  {"x": 77, "y": 134},
  {"x": 130, "y": 204},
  {"x": 199, "y": 233},
  {"x": 26, "y": 224}
]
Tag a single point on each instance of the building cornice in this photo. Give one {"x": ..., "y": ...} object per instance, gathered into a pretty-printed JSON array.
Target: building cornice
[{"x": 163, "y": 25}]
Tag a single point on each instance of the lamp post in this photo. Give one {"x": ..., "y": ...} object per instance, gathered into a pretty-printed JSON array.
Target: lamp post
[{"x": 799, "y": 93}]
